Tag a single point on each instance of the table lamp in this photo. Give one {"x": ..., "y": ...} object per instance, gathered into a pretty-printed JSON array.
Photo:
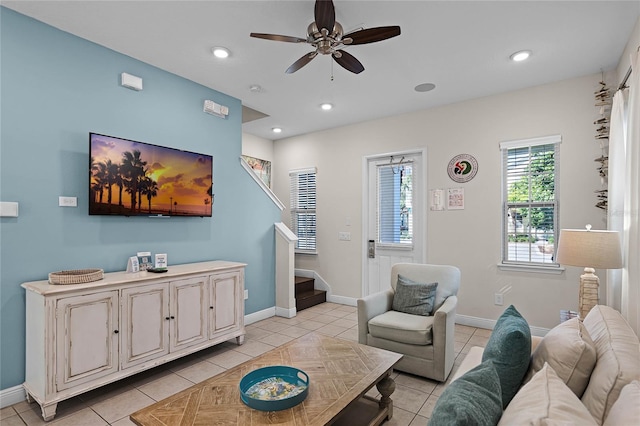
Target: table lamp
[{"x": 591, "y": 250}]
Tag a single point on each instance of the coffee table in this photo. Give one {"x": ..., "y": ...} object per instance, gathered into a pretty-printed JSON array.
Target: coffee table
[{"x": 340, "y": 373}]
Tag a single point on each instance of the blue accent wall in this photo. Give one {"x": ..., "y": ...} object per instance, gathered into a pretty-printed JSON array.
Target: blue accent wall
[{"x": 55, "y": 89}]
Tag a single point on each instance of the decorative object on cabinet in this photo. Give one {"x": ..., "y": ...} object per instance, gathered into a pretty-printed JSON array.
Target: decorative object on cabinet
[
  {"x": 80, "y": 337},
  {"x": 76, "y": 276},
  {"x": 603, "y": 102}
]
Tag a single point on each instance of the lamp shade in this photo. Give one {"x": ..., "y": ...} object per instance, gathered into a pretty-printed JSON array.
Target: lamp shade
[{"x": 587, "y": 248}]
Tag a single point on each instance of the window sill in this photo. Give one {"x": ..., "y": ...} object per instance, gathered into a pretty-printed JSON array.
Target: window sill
[
  {"x": 556, "y": 270},
  {"x": 313, "y": 253}
]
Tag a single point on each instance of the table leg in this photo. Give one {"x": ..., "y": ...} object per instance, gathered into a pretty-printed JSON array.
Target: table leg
[{"x": 386, "y": 387}]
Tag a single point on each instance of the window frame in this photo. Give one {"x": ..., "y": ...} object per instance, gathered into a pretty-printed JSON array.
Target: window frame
[
  {"x": 529, "y": 265},
  {"x": 295, "y": 209}
]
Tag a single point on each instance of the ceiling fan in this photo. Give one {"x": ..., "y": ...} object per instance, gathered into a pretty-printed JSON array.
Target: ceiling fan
[{"x": 327, "y": 36}]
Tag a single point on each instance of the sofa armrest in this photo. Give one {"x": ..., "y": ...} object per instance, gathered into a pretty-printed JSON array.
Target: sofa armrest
[
  {"x": 370, "y": 307},
  {"x": 444, "y": 320},
  {"x": 472, "y": 359}
]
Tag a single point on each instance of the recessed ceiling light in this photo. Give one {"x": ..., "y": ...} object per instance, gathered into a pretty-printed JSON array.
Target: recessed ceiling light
[
  {"x": 520, "y": 56},
  {"x": 424, "y": 87},
  {"x": 255, "y": 88},
  {"x": 220, "y": 52},
  {"x": 326, "y": 106},
  {"x": 277, "y": 130}
]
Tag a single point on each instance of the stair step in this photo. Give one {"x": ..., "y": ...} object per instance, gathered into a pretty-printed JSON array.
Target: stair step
[
  {"x": 303, "y": 285},
  {"x": 311, "y": 298}
]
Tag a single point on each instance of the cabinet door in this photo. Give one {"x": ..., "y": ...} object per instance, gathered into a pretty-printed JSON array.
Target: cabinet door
[
  {"x": 86, "y": 338},
  {"x": 188, "y": 312},
  {"x": 145, "y": 321},
  {"x": 225, "y": 296}
]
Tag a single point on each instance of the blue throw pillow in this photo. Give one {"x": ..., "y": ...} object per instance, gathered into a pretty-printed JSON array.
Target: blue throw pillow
[
  {"x": 472, "y": 399},
  {"x": 509, "y": 347},
  {"x": 412, "y": 297}
]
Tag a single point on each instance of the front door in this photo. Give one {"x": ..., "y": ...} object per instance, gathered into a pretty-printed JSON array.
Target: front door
[{"x": 395, "y": 216}]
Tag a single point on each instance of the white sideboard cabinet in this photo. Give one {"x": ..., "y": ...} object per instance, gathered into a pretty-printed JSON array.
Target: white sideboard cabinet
[{"x": 83, "y": 336}]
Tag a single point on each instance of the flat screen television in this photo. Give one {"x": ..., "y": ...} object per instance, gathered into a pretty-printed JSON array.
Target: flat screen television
[{"x": 131, "y": 178}]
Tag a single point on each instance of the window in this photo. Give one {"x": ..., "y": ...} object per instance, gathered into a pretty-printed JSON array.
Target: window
[
  {"x": 303, "y": 209},
  {"x": 395, "y": 208},
  {"x": 530, "y": 200}
]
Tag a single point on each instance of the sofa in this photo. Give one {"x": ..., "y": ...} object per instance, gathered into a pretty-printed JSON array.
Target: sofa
[{"x": 582, "y": 372}]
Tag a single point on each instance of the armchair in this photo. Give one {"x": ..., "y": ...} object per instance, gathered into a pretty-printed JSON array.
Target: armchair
[{"x": 425, "y": 341}]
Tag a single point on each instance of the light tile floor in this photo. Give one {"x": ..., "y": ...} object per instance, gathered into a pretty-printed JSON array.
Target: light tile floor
[{"x": 414, "y": 397}]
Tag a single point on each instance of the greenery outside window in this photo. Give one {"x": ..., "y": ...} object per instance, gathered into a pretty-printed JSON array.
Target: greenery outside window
[
  {"x": 530, "y": 201},
  {"x": 395, "y": 204},
  {"x": 303, "y": 209}
]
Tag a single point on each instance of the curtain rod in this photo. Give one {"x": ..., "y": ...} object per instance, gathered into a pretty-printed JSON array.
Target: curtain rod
[{"x": 623, "y": 85}]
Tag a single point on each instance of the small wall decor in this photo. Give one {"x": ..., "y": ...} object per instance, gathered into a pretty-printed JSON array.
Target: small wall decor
[
  {"x": 462, "y": 168},
  {"x": 455, "y": 198},
  {"x": 261, "y": 167}
]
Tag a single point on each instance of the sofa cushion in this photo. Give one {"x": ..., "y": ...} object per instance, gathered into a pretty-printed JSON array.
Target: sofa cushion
[
  {"x": 618, "y": 359},
  {"x": 626, "y": 409},
  {"x": 569, "y": 351},
  {"x": 412, "y": 297},
  {"x": 403, "y": 328},
  {"x": 509, "y": 347},
  {"x": 473, "y": 399},
  {"x": 546, "y": 400}
]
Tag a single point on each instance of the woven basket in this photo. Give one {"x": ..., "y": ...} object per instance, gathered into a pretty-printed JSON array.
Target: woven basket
[{"x": 76, "y": 276}]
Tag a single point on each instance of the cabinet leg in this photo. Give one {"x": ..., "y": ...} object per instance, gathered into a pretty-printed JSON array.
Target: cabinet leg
[
  {"x": 240, "y": 340},
  {"x": 30, "y": 399},
  {"x": 49, "y": 412}
]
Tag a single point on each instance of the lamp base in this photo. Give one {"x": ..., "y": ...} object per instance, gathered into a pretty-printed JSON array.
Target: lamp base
[{"x": 588, "y": 298}]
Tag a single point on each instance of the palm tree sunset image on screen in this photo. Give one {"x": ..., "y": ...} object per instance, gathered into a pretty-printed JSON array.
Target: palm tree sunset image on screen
[{"x": 134, "y": 178}]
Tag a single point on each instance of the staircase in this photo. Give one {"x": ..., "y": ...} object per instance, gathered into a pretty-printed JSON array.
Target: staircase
[{"x": 306, "y": 295}]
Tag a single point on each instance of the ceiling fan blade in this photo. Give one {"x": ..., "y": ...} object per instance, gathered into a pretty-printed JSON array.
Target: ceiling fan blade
[
  {"x": 301, "y": 62},
  {"x": 277, "y": 37},
  {"x": 348, "y": 62},
  {"x": 371, "y": 35},
  {"x": 325, "y": 15}
]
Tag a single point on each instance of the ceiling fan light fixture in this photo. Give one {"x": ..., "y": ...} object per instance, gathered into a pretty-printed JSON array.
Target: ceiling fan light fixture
[
  {"x": 276, "y": 130},
  {"x": 220, "y": 52},
  {"x": 326, "y": 106},
  {"x": 520, "y": 56}
]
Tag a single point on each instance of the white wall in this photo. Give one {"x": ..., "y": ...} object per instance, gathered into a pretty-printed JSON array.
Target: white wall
[
  {"x": 632, "y": 46},
  {"x": 257, "y": 147},
  {"x": 471, "y": 238}
]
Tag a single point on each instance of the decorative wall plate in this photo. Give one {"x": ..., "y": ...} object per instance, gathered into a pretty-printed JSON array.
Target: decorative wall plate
[{"x": 462, "y": 168}]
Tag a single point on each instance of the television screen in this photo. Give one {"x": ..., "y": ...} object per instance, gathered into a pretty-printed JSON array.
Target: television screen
[{"x": 131, "y": 178}]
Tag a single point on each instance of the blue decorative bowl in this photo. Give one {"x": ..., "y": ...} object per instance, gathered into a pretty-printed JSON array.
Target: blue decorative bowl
[{"x": 274, "y": 388}]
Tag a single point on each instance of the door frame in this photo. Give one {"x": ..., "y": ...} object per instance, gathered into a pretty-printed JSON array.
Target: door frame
[{"x": 422, "y": 153}]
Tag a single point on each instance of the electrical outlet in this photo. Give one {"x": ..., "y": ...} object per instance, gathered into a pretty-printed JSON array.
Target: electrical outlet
[
  {"x": 246, "y": 294},
  {"x": 498, "y": 299},
  {"x": 67, "y": 201},
  {"x": 344, "y": 236}
]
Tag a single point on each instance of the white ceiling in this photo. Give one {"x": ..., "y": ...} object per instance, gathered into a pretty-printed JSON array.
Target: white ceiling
[{"x": 461, "y": 46}]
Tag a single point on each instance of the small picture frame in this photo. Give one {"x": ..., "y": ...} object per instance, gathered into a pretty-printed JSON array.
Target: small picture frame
[
  {"x": 133, "y": 265},
  {"x": 161, "y": 260},
  {"x": 455, "y": 199},
  {"x": 144, "y": 260}
]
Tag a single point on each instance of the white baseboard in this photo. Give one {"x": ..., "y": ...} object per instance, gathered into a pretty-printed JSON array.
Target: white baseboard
[
  {"x": 286, "y": 313},
  {"x": 490, "y": 324},
  {"x": 260, "y": 315},
  {"x": 12, "y": 396},
  {"x": 342, "y": 300}
]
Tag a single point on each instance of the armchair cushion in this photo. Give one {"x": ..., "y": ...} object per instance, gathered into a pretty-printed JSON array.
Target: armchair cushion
[
  {"x": 412, "y": 297},
  {"x": 401, "y": 327},
  {"x": 509, "y": 347}
]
